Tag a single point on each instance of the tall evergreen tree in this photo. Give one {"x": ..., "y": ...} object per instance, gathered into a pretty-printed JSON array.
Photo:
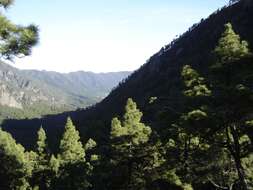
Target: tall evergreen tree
[
  {"x": 41, "y": 143},
  {"x": 233, "y": 97},
  {"x": 131, "y": 127},
  {"x": 185, "y": 141},
  {"x": 224, "y": 112},
  {"x": 73, "y": 169},
  {"x": 71, "y": 149},
  {"x": 41, "y": 168},
  {"x": 127, "y": 137},
  {"x": 193, "y": 128}
]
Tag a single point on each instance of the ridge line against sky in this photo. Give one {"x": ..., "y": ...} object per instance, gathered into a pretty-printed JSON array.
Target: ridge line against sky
[{"x": 104, "y": 35}]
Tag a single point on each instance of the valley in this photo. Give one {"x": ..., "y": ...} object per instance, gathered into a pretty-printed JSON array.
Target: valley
[{"x": 31, "y": 93}]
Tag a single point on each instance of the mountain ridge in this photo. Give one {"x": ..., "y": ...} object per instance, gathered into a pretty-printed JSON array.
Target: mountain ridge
[{"x": 23, "y": 89}]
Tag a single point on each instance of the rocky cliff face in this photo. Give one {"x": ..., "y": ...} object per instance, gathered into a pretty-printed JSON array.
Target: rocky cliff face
[
  {"x": 7, "y": 99},
  {"x": 17, "y": 91}
]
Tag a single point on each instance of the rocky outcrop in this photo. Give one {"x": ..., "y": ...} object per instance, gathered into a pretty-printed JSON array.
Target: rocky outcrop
[
  {"x": 6, "y": 98},
  {"x": 18, "y": 91}
]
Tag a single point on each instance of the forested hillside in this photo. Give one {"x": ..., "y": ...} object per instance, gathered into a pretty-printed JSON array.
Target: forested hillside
[{"x": 182, "y": 121}]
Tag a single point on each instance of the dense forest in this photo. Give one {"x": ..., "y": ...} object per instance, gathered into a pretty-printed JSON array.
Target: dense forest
[{"x": 200, "y": 137}]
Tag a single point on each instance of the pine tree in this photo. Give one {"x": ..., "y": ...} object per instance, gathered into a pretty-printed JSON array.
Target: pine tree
[
  {"x": 134, "y": 158},
  {"x": 135, "y": 132},
  {"x": 233, "y": 94},
  {"x": 73, "y": 171},
  {"x": 14, "y": 171},
  {"x": 214, "y": 121},
  {"x": 41, "y": 143},
  {"x": 230, "y": 47},
  {"x": 15, "y": 40},
  {"x": 189, "y": 128},
  {"x": 41, "y": 169},
  {"x": 71, "y": 149},
  {"x": 191, "y": 142}
]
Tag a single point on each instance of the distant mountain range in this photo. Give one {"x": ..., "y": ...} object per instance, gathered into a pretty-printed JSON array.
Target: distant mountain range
[{"x": 31, "y": 93}]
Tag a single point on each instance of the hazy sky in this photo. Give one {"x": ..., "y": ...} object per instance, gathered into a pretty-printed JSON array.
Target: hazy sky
[{"x": 104, "y": 35}]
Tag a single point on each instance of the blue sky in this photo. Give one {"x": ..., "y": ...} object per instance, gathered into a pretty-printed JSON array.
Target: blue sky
[{"x": 104, "y": 35}]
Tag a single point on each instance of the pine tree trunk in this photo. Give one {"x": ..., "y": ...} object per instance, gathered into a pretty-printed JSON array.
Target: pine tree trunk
[
  {"x": 241, "y": 173},
  {"x": 236, "y": 155}
]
